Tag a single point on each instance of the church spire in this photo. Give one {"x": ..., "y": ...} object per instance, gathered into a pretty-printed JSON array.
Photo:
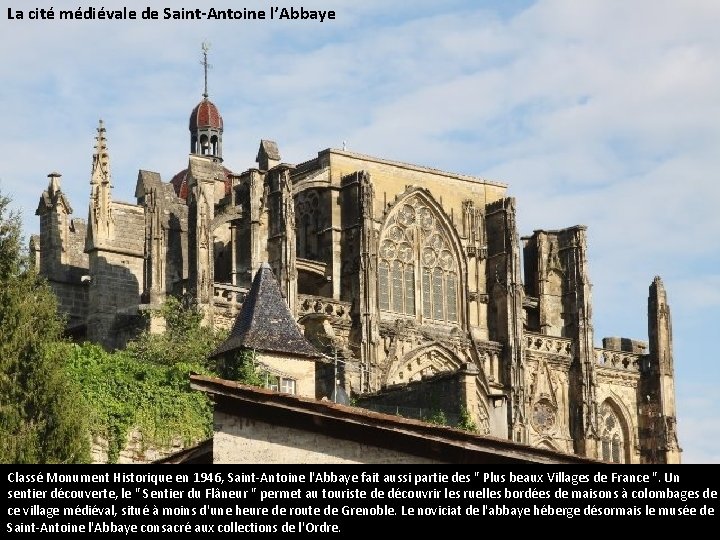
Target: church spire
[
  {"x": 206, "y": 124},
  {"x": 100, "y": 219},
  {"x": 101, "y": 158}
]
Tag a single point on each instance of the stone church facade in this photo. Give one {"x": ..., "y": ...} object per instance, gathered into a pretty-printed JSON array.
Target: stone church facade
[{"x": 400, "y": 273}]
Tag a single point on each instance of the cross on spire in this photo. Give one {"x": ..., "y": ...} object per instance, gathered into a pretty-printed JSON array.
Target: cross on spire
[{"x": 205, "y": 48}]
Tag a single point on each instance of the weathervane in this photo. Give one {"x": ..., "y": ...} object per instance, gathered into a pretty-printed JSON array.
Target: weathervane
[{"x": 205, "y": 48}]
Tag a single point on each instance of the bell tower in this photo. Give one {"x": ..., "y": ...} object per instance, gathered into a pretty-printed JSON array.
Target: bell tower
[{"x": 206, "y": 124}]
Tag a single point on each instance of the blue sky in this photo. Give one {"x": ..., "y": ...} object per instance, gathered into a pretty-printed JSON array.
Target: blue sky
[{"x": 603, "y": 113}]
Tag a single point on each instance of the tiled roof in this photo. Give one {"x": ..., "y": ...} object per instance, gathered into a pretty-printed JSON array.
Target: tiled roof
[
  {"x": 179, "y": 182},
  {"x": 205, "y": 114},
  {"x": 265, "y": 323}
]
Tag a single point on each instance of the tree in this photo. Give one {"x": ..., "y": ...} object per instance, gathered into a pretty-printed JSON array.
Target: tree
[
  {"x": 243, "y": 369},
  {"x": 185, "y": 339},
  {"x": 40, "y": 420}
]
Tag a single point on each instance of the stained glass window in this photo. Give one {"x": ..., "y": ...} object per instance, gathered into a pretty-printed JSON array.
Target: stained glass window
[
  {"x": 616, "y": 449},
  {"x": 410, "y": 289},
  {"x": 437, "y": 294},
  {"x": 383, "y": 290},
  {"x": 397, "y": 287},
  {"x": 427, "y": 303},
  {"x": 451, "y": 297}
]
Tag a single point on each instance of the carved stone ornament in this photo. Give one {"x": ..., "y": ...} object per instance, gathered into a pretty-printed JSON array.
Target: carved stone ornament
[{"x": 543, "y": 415}]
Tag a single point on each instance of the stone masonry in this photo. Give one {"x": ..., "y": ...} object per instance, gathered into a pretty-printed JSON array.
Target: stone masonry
[{"x": 398, "y": 272}]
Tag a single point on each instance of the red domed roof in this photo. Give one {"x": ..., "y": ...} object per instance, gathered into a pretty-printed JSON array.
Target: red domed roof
[
  {"x": 205, "y": 114},
  {"x": 179, "y": 182}
]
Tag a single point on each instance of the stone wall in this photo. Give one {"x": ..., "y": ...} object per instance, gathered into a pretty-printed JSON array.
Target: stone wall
[
  {"x": 72, "y": 301},
  {"x": 116, "y": 269},
  {"x": 547, "y": 376},
  {"x": 619, "y": 395},
  {"x": 242, "y": 440},
  {"x": 391, "y": 178},
  {"x": 421, "y": 399},
  {"x": 301, "y": 371},
  {"x": 129, "y": 227},
  {"x": 113, "y": 293},
  {"x": 63, "y": 263}
]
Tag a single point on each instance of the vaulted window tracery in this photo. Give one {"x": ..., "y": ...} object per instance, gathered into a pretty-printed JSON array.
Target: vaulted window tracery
[
  {"x": 417, "y": 271},
  {"x": 611, "y": 435}
]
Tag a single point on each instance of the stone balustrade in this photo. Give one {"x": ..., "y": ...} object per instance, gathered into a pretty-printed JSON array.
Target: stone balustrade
[
  {"x": 337, "y": 309},
  {"x": 228, "y": 294},
  {"x": 618, "y": 359},
  {"x": 548, "y": 344}
]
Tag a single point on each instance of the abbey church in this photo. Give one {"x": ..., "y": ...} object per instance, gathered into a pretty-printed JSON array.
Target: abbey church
[{"x": 409, "y": 277}]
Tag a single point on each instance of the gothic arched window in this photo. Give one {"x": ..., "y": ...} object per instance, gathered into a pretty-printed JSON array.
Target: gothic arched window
[
  {"x": 611, "y": 435},
  {"x": 416, "y": 265}
]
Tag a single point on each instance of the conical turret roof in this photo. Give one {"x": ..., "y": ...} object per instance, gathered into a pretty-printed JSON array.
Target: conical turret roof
[{"x": 265, "y": 323}]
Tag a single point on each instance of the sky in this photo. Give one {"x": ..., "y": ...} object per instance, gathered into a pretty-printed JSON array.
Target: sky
[{"x": 602, "y": 112}]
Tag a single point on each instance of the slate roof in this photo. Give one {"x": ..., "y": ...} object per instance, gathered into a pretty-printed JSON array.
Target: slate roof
[
  {"x": 270, "y": 149},
  {"x": 265, "y": 322},
  {"x": 145, "y": 182}
]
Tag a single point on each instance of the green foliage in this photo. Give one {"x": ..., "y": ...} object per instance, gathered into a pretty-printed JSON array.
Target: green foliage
[
  {"x": 185, "y": 340},
  {"x": 242, "y": 368},
  {"x": 40, "y": 421},
  {"x": 11, "y": 260},
  {"x": 124, "y": 392},
  {"x": 466, "y": 422},
  {"x": 438, "y": 417},
  {"x": 147, "y": 386}
]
